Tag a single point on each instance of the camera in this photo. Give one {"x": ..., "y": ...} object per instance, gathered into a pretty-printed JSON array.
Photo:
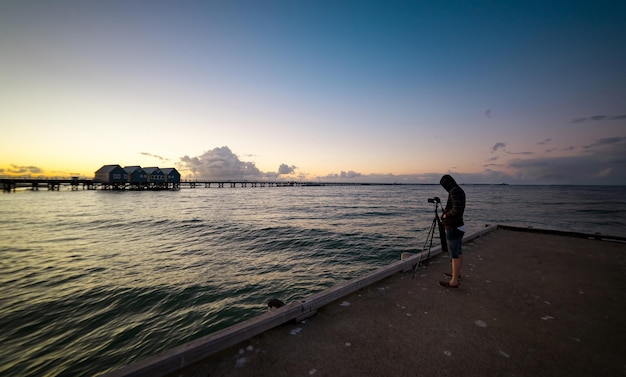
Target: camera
[{"x": 434, "y": 200}]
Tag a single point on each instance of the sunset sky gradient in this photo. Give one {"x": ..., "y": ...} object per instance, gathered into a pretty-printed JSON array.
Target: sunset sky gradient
[{"x": 520, "y": 92}]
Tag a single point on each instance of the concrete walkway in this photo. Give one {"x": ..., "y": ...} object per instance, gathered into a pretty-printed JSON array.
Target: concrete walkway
[{"x": 529, "y": 304}]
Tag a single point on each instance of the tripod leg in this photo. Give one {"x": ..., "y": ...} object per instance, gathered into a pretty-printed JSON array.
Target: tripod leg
[
  {"x": 433, "y": 227},
  {"x": 429, "y": 238},
  {"x": 442, "y": 236}
]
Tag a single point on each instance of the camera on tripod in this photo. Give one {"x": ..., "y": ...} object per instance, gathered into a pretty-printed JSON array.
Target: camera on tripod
[{"x": 435, "y": 225}]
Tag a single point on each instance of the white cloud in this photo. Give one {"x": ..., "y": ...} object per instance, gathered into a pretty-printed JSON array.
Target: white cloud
[
  {"x": 285, "y": 169},
  {"x": 219, "y": 163}
]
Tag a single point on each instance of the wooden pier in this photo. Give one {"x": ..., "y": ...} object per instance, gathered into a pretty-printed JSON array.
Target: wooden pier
[{"x": 76, "y": 183}]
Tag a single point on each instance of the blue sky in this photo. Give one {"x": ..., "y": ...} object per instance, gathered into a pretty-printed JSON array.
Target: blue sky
[{"x": 516, "y": 92}]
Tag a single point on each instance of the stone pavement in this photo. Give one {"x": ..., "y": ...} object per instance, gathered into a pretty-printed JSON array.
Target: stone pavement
[{"x": 530, "y": 304}]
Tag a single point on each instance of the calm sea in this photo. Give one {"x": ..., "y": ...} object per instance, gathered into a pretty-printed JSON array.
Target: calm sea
[{"x": 94, "y": 280}]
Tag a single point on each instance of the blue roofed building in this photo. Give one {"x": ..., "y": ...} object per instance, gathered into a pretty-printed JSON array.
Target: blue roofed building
[
  {"x": 137, "y": 177},
  {"x": 172, "y": 177},
  {"x": 111, "y": 175},
  {"x": 156, "y": 178}
]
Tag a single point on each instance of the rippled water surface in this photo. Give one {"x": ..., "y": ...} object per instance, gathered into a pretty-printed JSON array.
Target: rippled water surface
[{"x": 93, "y": 280}]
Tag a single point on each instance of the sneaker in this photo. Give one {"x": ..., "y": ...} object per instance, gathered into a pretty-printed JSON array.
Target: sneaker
[
  {"x": 449, "y": 275},
  {"x": 446, "y": 284}
]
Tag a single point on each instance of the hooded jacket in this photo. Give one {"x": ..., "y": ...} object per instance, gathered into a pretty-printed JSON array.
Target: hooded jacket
[{"x": 455, "y": 206}]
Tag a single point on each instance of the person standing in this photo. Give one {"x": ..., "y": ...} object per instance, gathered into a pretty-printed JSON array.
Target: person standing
[{"x": 452, "y": 219}]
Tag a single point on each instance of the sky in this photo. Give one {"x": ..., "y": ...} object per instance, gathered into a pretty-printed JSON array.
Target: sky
[{"x": 517, "y": 92}]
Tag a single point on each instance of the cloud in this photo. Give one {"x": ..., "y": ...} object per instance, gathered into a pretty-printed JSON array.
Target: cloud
[
  {"x": 219, "y": 163},
  {"x": 155, "y": 156},
  {"x": 605, "y": 141},
  {"x": 23, "y": 170},
  {"x": 488, "y": 113},
  {"x": 601, "y": 162},
  {"x": 604, "y": 162},
  {"x": 285, "y": 169},
  {"x": 497, "y": 146},
  {"x": 350, "y": 175},
  {"x": 575, "y": 169},
  {"x": 502, "y": 146},
  {"x": 487, "y": 176},
  {"x": 544, "y": 142},
  {"x": 598, "y": 118}
]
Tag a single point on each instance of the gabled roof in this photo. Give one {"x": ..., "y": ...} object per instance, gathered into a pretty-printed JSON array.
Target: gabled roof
[
  {"x": 130, "y": 169},
  {"x": 108, "y": 168},
  {"x": 152, "y": 170},
  {"x": 167, "y": 171}
]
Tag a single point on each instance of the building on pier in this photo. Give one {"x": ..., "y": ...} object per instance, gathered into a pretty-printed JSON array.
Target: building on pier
[
  {"x": 111, "y": 176},
  {"x": 172, "y": 177},
  {"x": 137, "y": 177},
  {"x": 156, "y": 178}
]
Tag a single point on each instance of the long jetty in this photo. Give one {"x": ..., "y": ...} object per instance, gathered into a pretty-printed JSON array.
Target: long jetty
[{"x": 76, "y": 183}]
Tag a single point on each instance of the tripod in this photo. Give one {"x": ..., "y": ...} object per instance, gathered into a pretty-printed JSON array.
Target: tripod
[{"x": 435, "y": 225}]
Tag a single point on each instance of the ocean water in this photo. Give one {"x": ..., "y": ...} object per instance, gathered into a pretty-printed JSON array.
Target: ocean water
[{"x": 94, "y": 280}]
